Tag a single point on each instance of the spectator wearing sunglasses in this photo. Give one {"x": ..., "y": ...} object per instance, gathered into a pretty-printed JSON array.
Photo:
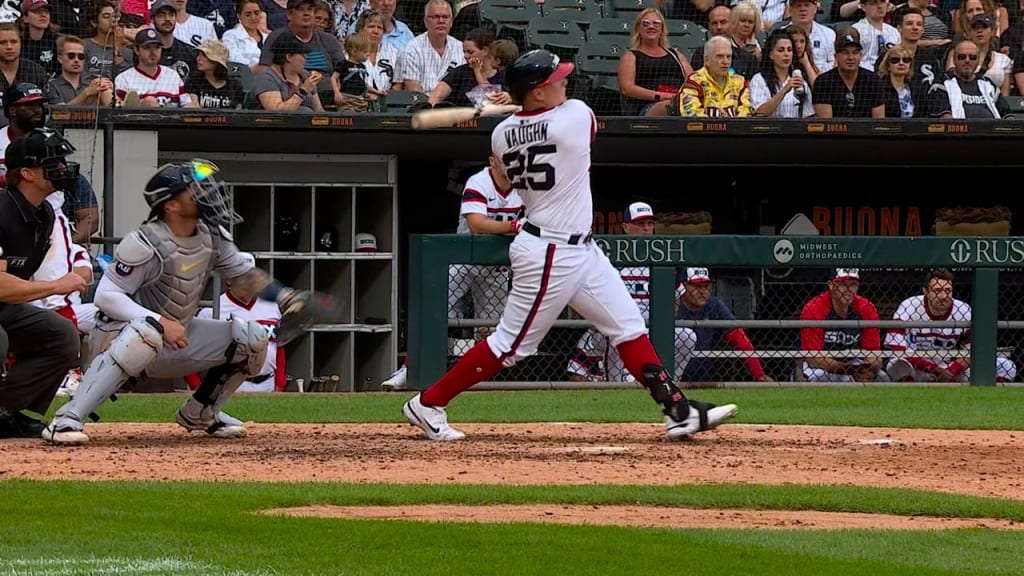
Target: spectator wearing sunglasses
[
  {"x": 903, "y": 92},
  {"x": 966, "y": 95},
  {"x": 74, "y": 86}
]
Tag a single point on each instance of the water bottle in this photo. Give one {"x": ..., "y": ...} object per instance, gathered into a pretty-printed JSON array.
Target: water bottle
[
  {"x": 799, "y": 90},
  {"x": 103, "y": 261}
]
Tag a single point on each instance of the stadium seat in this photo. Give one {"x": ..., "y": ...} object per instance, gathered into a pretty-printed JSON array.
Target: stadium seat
[
  {"x": 838, "y": 25},
  {"x": 243, "y": 73},
  {"x": 626, "y": 9},
  {"x": 561, "y": 36},
  {"x": 1016, "y": 104},
  {"x": 611, "y": 29},
  {"x": 582, "y": 12},
  {"x": 514, "y": 14},
  {"x": 824, "y": 14},
  {"x": 680, "y": 28},
  {"x": 400, "y": 101},
  {"x": 598, "y": 61},
  {"x": 687, "y": 44}
]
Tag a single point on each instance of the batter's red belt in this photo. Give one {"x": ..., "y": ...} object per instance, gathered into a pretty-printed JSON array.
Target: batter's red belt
[{"x": 572, "y": 240}]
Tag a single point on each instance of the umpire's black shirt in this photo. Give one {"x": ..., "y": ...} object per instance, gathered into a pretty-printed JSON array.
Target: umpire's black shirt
[{"x": 24, "y": 233}]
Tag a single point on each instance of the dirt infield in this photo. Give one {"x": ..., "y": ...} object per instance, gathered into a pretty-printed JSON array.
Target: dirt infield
[{"x": 984, "y": 463}]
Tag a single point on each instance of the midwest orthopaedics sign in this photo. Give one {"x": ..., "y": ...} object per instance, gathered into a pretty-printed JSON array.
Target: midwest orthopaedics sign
[{"x": 768, "y": 251}]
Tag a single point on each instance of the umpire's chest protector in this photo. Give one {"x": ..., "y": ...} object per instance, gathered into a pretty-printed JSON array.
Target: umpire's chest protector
[{"x": 187, "y": 263}]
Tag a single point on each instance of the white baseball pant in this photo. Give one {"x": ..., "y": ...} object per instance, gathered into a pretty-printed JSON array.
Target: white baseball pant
[{"x": 549, "y": 274}]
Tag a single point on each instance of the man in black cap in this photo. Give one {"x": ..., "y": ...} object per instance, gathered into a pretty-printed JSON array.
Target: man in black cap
[
  {"x": 848, "y": 90},
  {"x": 323, "y": 51},
  {"x": 25, "y": 106},
  {"x": 44, "y": 345}
]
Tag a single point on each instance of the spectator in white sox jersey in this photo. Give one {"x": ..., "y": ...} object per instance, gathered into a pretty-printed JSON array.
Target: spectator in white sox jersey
[
  {"x": 149, "y": 83},
  {"x": 191, "y": 30},
  {"x": 431, "y": 55},
  {"x": 380, "y": 62}
]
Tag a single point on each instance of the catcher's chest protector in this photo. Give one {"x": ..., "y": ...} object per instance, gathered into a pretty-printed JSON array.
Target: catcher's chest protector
[{"x": 187, "y": 264}]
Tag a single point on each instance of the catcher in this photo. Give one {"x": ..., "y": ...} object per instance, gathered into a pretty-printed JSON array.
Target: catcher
[{"x": 147, "y": 302}]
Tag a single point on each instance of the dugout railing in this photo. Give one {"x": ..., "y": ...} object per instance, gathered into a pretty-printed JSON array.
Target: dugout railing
[{"x": 983, "y": 261}]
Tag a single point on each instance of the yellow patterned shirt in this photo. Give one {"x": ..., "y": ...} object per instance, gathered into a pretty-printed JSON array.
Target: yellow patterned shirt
[{"x": 702, "y": 97}]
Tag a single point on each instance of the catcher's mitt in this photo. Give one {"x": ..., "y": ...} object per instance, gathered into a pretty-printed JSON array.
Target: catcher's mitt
[{"x": 301, "y": 310}]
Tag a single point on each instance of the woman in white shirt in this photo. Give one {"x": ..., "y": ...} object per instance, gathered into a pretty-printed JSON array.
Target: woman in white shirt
[
  {"x": 383, "y": 55},
  {"x": 245, "y": 40},
  {"x": 775, "y": 91}
]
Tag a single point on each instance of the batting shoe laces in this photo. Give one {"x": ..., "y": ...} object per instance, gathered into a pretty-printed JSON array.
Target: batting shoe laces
[{"x": 431, "y": 419}]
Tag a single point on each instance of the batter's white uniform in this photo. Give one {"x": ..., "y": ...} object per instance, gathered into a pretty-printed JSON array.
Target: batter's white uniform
[
  {"x": 595, "y": 360},
  {"x": 267, "y": 314},
  {"x": 933, "y": 339},
  {"x": 546, "y": 154},
  {"x": 488, "y": 285}
]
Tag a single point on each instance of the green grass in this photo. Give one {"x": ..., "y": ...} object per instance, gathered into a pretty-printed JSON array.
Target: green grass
[
  {"x": 190, "y": 529},
  {"x": 195, "y": 529},
  {"x": 949, "y": 408}
]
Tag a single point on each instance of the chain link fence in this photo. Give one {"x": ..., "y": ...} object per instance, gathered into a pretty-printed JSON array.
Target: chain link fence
[{"x": 923, "y": 330}]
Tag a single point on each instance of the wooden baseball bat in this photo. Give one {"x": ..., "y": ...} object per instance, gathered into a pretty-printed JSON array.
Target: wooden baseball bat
[{"x": 447, "y": 117}]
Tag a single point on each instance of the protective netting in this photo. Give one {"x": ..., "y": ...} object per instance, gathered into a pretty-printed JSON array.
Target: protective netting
[{"x": 788, "y": 324}]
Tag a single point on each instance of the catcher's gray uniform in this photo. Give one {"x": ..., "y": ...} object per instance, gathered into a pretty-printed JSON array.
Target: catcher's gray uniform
[{"x": 166, "y": 274}]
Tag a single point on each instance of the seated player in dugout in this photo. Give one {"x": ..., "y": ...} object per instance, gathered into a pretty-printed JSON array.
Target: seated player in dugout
[
  {"x": 593, "y": 359},
  {"x": 946, "y": 355},
  {"x": 694, "y": 301},
  {"x": 841, "y": 302}
]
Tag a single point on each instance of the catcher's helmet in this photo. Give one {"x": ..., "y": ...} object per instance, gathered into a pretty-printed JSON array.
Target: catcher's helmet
[
  {"x": 24, "y": 93},
  {"x": 534, "y": 69},
  {"x": 198, "y": 178}
]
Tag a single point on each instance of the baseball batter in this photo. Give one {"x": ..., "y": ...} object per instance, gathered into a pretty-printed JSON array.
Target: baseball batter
[
  {"x": 593, "y": 358},
  {"x": 147, "y": 302},
  {"x": 545, "y": 149},
  {"x": 490, "y": 205}
]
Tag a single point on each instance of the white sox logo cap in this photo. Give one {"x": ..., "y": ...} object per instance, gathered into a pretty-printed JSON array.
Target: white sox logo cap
[
  {"x": 843, "y": 274},
  {"x": 697, "y": 275},
  {"x": 639, "y": 211},
  {"x": 366, "y": 242}
]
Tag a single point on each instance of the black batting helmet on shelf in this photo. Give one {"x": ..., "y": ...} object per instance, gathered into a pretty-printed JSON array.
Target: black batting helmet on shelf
[
  {"x": 286, "y": 234},
  {"x": 534, "y": 69}
]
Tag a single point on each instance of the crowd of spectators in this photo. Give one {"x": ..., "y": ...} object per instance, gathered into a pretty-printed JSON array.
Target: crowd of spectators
[{"x": 770, "y": 58}]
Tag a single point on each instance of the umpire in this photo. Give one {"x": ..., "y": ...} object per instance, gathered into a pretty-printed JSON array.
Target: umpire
[{"x": 44, "y": 345}]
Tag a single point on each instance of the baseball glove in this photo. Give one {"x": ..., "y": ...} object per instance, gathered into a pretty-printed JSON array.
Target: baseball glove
[{"x": 301, "y": 310}]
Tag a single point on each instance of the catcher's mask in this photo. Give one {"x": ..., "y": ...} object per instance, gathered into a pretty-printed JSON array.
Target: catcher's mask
[{"x": 197, "y": 177}]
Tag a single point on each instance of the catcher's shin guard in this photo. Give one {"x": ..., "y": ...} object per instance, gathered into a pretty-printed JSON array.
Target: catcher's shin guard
[{"x": 665, "y": 392}]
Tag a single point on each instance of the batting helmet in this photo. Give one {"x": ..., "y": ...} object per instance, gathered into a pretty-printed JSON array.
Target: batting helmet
[
  {"x": 23, "y": 93},
  {"x": 534, "y": 69}
]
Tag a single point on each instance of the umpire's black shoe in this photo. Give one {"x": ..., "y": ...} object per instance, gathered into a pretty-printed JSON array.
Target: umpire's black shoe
[{"x": 18, "y": 425}]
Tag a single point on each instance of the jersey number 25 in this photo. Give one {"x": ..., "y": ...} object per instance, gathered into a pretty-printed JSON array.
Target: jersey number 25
[{"x": 525, "y": 172}]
